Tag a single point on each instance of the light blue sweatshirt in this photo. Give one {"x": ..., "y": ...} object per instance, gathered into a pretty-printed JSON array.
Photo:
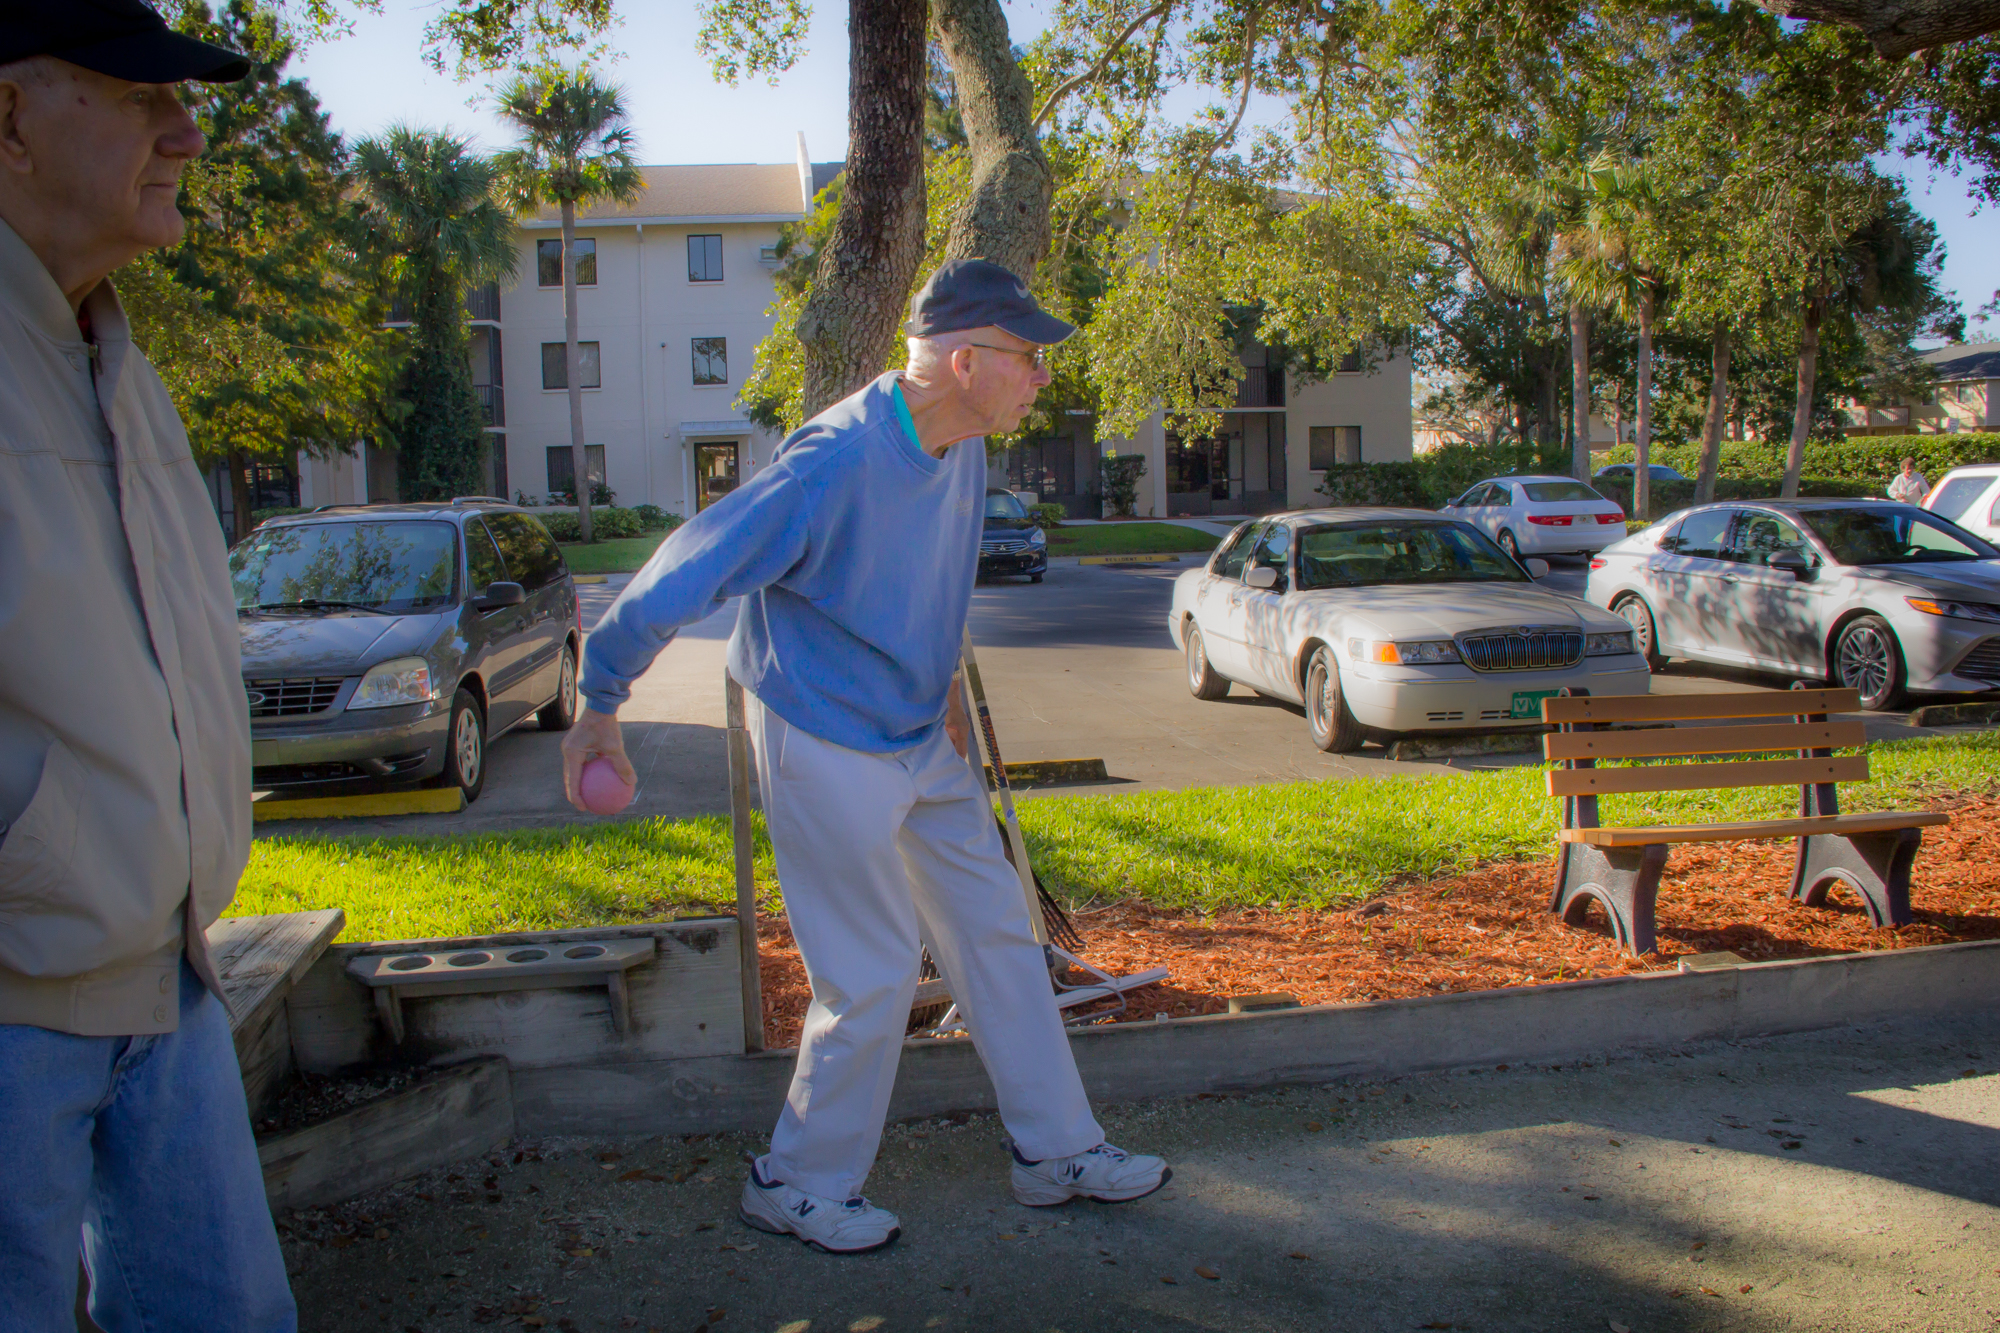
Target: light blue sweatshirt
[{"x": 855, "y": 554}]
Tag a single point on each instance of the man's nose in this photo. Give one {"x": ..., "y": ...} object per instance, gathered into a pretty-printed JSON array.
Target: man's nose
[{"x": 180, "y": 137}]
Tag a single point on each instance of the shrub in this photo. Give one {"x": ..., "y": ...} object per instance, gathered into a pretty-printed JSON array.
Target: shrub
[
  {"x": 525, "y": 500},
  {"x": 1378, "y": 484},
  {"x": 1049, "y": 514},
  {"x": 257, "y": 516},
  {"x": 1869, "y": 458},
  {"x": 565, "y": 526},
  {"x": 1119, "y": 475},
  {"x": 1664, "y": 497},
  {"x": 654, "y": 517}
]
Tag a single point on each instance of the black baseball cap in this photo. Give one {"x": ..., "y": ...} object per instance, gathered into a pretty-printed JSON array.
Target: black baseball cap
[
  {"x": 126, "y": 39},
  {"x": 976, "y": 294}
]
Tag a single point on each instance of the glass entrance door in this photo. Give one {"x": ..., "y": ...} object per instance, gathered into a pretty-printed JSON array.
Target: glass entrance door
[{"x": 714, "y": 473}]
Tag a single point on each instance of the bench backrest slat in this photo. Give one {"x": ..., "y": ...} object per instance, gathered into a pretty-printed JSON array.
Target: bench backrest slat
[
  {"x": 1744, "y": 738},
  {"x": 1695, "y": 707},
  {"x": 1695, "y": 777}
]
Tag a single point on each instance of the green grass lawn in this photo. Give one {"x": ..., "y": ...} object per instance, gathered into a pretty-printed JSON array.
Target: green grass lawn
[
  {"x": 619, "y": 555},
  {"x": 1298, "y": 843},
  {"x": 1129, "y": 539}
]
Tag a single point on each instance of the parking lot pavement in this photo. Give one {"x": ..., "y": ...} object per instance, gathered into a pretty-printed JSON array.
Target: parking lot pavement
[
  {"x": 1080, "y": 666},
  {"x": 1838, "y": 1182}
]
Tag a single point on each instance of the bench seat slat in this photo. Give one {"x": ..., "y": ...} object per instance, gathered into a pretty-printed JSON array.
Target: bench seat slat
[
  {"x": 1691, "y": 707},
  {"x": 1698, "y": 777},
  {"x": 1885, "y": 822},
  {"x": 1738, "y": 739}
]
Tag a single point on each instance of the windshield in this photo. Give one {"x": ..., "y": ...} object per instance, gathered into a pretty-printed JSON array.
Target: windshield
[
  {"x": 1354, "y": 554},
  {"x": 393, "y": 567},
  {"x": 1956, "y": 496},
  {"x": 1556, "y": 492},
  {"x": 1004, "y": 504},
  {"x": 1892, "y": 535}
]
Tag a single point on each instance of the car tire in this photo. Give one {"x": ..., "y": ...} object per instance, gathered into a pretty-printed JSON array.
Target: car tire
[
  {"x": 559, "y": 713},
  {"x": 1034, "y": 578},
  {"x": 1203, "y": 681},
  {"x": 1645, "y": 632},
  {"x": 1333, "y": 727},
  {"x": 1868, "y": 660},
  {"x": 465, "y": 747},
  {"x": 1510, "y": 546}
]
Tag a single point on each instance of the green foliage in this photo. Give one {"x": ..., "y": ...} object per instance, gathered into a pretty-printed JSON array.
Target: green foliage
[
  {"x": 565, "y": 526},
  {"x": 1664, "y": 497},
  {"x": 620, "y": 555},
  {"x": 746, "y": 38},
  {"x": 1049, "y": 514},
  {"x": 258, "y": 516},
  {"x": 656, "y": 518},
  {"x": 1118, "y": 475},
  {"x": 1870, "y": 459},
  {"x": 1130, "y": 539}
]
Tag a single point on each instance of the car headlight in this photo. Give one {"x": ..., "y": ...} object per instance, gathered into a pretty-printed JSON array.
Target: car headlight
[
  {"x": 1402, "y": 654},
  {"x": 1957, "y": 610},
  {"x": 403, "y": 680},
  {"x": 1615, "y": 644},
  {"x": 1038, "y": 538}
]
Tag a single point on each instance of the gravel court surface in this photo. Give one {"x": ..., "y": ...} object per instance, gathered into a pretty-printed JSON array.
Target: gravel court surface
[{"x": 1843, "y": 1180}]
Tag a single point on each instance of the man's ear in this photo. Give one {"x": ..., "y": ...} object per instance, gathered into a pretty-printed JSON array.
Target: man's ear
[{"x": 15, "y": 156}]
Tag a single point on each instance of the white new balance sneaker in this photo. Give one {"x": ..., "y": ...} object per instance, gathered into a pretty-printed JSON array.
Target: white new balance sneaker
[
  {"x": 1105, "y": 1173},
  {"x": 835, "y": 1227}
]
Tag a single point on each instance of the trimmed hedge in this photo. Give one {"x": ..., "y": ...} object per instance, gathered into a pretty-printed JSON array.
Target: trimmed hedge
[
  {"x": 565, "y": 526},
  {"x": 1860, "y": 458},
  {"x": 1664, "y": 497}
]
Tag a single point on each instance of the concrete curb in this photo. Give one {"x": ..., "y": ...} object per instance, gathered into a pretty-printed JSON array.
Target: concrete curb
[
  {"x": 1956, "y": 715},
  {"x": 1163, "y": 558},
  {"x": 410, "y": 801},
  {"x": 1053, "y": 772},
  {"x": 1319, "y": 1044},
  {"x": 1409, "y": 750}
]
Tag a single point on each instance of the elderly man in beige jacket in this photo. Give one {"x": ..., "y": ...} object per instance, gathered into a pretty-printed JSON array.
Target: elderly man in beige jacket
[{"x": 124, "y": 737}]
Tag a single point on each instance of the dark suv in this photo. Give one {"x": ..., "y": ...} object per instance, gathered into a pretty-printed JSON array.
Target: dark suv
[
  {"x": 392, "y": 641},
  {"x": 1012, "y": 541}
]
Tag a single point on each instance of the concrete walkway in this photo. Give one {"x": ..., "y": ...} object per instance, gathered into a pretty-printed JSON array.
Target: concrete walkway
[{"x": 1834, "y": 1181}]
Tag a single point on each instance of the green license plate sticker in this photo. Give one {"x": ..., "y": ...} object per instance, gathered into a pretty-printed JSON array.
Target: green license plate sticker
[{"x": 1528, "y": 703}]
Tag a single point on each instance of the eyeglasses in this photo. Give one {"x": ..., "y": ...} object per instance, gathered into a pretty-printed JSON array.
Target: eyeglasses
[{"x": 1040, "y": 356}]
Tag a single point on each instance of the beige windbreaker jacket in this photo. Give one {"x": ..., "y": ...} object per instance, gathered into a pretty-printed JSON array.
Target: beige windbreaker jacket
[{"x": 124, "y": 736}]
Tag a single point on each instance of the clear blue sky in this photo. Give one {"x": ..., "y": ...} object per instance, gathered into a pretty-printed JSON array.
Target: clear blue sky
[{"x": 376, "y": 76}]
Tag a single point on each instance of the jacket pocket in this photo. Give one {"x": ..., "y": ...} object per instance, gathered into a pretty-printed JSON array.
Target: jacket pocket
[{"x": 35, "y": 856}]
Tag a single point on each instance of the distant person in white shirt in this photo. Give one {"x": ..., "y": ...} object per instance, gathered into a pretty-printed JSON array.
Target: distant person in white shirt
[{"x": 1909, "y": 485}]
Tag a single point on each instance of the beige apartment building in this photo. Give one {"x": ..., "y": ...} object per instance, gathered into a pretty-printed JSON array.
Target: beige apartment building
[
  {"x": 673, "y": 294},
  {"x": 1964, "y": 397}
]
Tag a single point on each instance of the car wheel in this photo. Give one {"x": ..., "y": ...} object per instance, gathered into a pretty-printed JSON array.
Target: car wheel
[
  {"x": 1868, "y": 660},
  {"x": 1510, "y": 546},
  {"x": 1034, "y": 578},
  {"x": 1333, "y": 727},
  {"x": 1640, "y": 617},
  {"x": 1203, "y": 682},
  {"x": 465, "y": 747},
  {"x": 559, "y": 713}
]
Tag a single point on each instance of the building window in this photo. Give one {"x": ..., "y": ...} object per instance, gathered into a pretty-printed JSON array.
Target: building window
[
  {"x": 562, "y": 467},
  {"x": 1350, "y": 363},
  {"x": 1333, "y": 444},
  {"x": 548, "y": 262},
  {"x": 704, "y": 259},
  {"x": 554, "y": 364},
  {"x": 711, "y": 360}
]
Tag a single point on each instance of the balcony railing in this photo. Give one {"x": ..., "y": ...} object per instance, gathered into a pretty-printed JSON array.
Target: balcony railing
[
  {"x": 492, "y": 404},
  {"x": 483, "y": 302}
]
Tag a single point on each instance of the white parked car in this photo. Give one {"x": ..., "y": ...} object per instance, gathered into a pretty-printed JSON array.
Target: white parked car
[
  {"x": 1969, "y": 497},
  {"x": 1390, "y": 620},
  {"x": 1541, "y": 515}
]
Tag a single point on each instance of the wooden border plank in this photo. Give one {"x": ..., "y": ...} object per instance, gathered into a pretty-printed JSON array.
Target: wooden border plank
[
  {"x": 1885, "y": 822},
  {"x": 1747, "y": 738},
  {"x": 1698, "y": 777},
  {"x": 1693, "y": 707}
]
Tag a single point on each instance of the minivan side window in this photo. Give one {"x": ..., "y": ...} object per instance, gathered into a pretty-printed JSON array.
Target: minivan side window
[
  {"x": 482, "y": 558},
  {"x": 531, "y": 555}
]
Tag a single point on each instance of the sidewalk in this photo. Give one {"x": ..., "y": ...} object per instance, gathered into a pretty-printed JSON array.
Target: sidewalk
[{"x": 1833, "y": 1181}]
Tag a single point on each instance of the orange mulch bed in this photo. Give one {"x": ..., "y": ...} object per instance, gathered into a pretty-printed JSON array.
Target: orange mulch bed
[{"x": 1492, "y": 928}]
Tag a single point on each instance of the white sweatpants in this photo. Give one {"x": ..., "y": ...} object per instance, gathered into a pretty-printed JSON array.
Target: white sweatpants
[{"x": 879, "y": 855}]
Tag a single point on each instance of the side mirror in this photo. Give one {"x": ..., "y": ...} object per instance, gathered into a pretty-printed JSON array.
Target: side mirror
[
  {"x": 1261, "y": 576},
  {"x": 1537, "y": 569},
  {"x": 500, "y": 594},
  {"x": 1791, "y": 562}
]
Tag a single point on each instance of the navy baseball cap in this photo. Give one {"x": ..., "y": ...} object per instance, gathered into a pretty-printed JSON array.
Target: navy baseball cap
[
  {"x": 126, "y": 39},
  {"x": 977, "y": 294}
]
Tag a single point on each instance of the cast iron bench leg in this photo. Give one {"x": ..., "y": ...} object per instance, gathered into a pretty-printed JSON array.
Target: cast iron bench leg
[
  {"x": 1626, "y": 880},
  {"x": 1875, "y": 865}
]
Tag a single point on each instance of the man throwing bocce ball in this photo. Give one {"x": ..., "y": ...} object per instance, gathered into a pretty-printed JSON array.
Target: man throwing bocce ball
[{"x": 855, "y": 553}]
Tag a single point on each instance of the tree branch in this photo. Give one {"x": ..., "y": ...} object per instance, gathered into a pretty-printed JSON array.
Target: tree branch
[
  {"x": 1897, "y": 28},
  {"x": 1242, "y": 104},
  {"x": 1069, "y": 86}
]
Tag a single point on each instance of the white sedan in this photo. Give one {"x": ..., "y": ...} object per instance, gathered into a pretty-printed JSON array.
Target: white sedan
[
  {"x": 1390, "y": 620},
  {"x": 1541, "y": 515}
]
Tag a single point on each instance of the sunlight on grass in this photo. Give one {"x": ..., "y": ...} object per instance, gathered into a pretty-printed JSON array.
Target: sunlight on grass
[
  {"x": 1301, "y": 843},
  {"x": 1129, "y": 539},
  {"x": 619, "y": 555}
]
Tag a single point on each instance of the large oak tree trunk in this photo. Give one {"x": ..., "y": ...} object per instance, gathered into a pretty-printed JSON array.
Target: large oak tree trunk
[
  {"x": 1795, "y": 457},
  {"x": 1005, "y": 217},
  {"x": 573, "y": 375},
  {"x": 1579, "y": 388},
  {"x": 1897, "y": 28},
  {"x": 1642, "y": 428},
  {"x": 866, "y": 269},
  {"x": 1718, "y": 408}
]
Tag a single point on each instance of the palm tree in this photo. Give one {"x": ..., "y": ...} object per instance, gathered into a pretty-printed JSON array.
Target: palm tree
[
  {"x": 1606, "y": 261},
  {"x": 430, "y": 201},
  {"x": 575, "y": 149}
]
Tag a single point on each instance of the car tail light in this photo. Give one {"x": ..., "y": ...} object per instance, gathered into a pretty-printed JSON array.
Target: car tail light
[
  {"x": 1611, "y": 518},
  {"x": 1550, "y": 520},
  {"x": 1598, "y": 564}
]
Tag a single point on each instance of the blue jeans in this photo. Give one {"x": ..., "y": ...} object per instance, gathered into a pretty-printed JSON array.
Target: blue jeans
[{"x": 141, "y": 1147}]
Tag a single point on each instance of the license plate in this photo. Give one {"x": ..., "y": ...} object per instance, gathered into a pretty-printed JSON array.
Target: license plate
[{"x": 1528, "y": 703}]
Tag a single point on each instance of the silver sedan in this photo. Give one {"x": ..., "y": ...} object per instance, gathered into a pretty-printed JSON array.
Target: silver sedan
[{"x": 1880, "y": 597}]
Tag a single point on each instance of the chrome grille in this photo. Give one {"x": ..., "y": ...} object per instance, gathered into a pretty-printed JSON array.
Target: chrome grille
[
  {"x": 990, "y": 545},
  {"x": 1528, "y": 648},
  {"x": 1983, "y": 662},
  {"x": 292, "y": 696}
]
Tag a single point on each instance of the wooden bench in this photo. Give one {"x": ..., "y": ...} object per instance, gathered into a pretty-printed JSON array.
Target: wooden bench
[
  {"x": 259, "y": 959},
  {"x": 1620, "y": 867}
]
